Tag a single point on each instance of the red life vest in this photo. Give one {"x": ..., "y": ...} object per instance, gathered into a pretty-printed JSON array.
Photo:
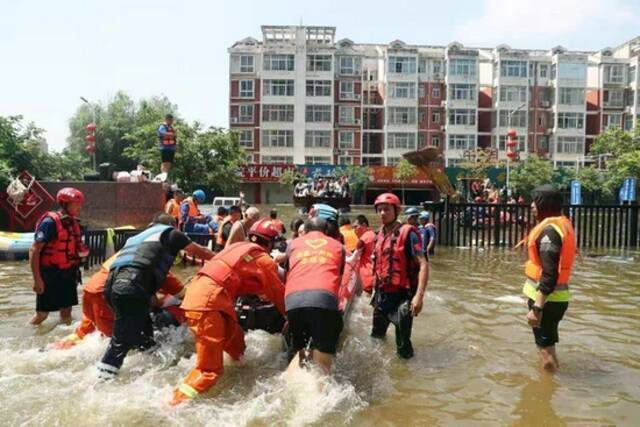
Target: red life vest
[
  {"x": 394, "y": 270},
  {"x": 63, "y": 251},
  {"x": 169, "y": 137},
  {"x": 315, "y": 264}
]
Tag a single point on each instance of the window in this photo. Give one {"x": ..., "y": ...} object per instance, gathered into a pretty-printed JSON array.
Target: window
[
  {"x": 246, "y": 113},
  {"x": 435, "y": 140},
  {"x": 392, "y": 160},
  {"x": 318, "y": 62},
  {"x": 422, "y": 91},
  {"x": 317, "y": 139},
  {"x": 347, "y": 115},
  {"x": 571, "y": 96},
  {"x": 572, "y": 70},
  {"x": 513, "y": 68},
  {"x": 277, "y": 113},
  {"x": 345, "y": 160},
  {"x": 570, "y": 145},
  {"x": 632, "y": 75},
  {"x": 452, "y": 163},
  {"x": 435, "y": 117},
  {"x": 567, "y": 164},
  {"x": 422, "y": 115},
  {"x": 628, "y": 122},
  {"x": 372, "y": 161},
  {"x": 464, "y": 67},
  {"x": 435, "y": 92},
  {"x": 402, "y": 64},
  {"x": 371, "y": 143},
  {"x": 614, "y": 73},
  {"x": 278, "y": 88},
  {"x": 245, "y": 138},
  {"x": 513, "y": 93},
  {"x": 462, "y": 117},
  {"x": 246, "y": 88},
  {"x": 346, "y": 140},
  {"x": 317, "y": 160},
  {"x": 406, "y": 90},
  {"x": 613, "y": 98},
  {"x": 612, "y": 120},
  {"x": 246, "y": 63},
  {"x": 462, "y": 92},
  {"x": 318, "y": 113},
  {"x": 277, "y": 138},
  {"x": 543, "y": 71},
  {"x": 437, "y": 69},
  {"x": 318, "y": 87},
  {"x": 278, "y": 62},
  {"x": 248, "y": 158},
  {"x": 346, "y": 89},
  {"x": 520, "y": 139},
  {"x": 349, "y": 65},
  {"x": 422, "y": 65},
  {"x": 570, "y": 120},
  {"x": 401, "y": 140},
  {"x": 461, "y": 142},
  {"x": 518, "y": 119},
  {"x": 402, "y": 115},
  {"x": 277, "y": 160}
]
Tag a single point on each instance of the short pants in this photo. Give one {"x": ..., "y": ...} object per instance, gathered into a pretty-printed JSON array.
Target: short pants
[
  {"x": 60, "y": 289},
  {"x": 317, "y": 327},
  {"x": 167, "y": 155},
  {"x": 546, "y": 334}
]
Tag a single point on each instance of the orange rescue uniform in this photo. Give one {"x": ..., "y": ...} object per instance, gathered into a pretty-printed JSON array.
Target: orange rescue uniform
[{"x": 350, "y": 237}]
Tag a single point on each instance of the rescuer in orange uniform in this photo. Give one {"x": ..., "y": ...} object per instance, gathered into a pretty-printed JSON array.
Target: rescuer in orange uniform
[
  {"x": 401, "y": 273},
  {"x": 551, "y": 247},
  {"x": 243, "y": 268}
]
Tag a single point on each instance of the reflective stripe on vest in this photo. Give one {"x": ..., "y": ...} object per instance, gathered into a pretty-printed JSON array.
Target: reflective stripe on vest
[
  {"x": 63, "y": 251},
  {"x": 533, "y": 267}
]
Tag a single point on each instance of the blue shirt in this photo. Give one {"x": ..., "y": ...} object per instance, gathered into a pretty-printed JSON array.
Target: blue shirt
[
  {"x": 414, "y": 245},
  {"x": 162, "y": 131},
  {"x": 46, "y": 231},
  {"x": 428, "y": 233}
]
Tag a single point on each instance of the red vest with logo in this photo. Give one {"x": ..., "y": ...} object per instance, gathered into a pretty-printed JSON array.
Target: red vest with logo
[
  {"x": 63, "y": 251},
  {"x": 394, "y": 269}
]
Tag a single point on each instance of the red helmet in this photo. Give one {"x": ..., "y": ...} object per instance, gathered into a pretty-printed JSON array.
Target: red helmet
[
  {"x": 389, "y": 198},
  {"x": 69, "y": 195},
  {"x": 264, "y": 228}
]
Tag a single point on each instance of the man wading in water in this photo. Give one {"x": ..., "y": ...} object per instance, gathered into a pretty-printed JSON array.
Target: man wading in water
[{"x": 551, "y": 248}]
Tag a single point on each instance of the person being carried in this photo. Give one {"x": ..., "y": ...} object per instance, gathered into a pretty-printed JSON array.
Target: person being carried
[
  {"x": 167, "y": 142},
  {"x": 243, "y": 268},
  {"x": 349, "y": 236},
  {"x": 55, "y": 257},
  {"x": 551, "y": 247},
  {"x": 428, "y": 232},
  {"x": 401, "y": 272},
  {"x": 238, "y": 232},
  {"x": 192, "y": 220},
  {"x": 135, "y": 275},
  {"x": 172, "y": 207}
]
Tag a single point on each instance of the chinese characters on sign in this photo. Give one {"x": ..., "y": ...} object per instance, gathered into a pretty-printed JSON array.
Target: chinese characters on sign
[{"x": 264, "y": 173}]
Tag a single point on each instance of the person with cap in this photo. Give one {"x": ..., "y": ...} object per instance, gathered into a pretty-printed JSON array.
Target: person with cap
[
  {"x": 551, "y": 248},
  {"x": 239, "y": 230},
  {"x": 401, "y": 272},
  {"x": 412, "y": 216},
  {"x": 135, "y": 275},
  {"x": 172, "y": 207},
  {"x": 55, "y": 257},
  {"x": 349, "y": 235},
  {"x": 428, "y": 233},
  {"x": 244, "y": 268},
  {"x": 167, "y": 143},
  {"x": 273, "y": 214},
  {"x": 191, "y": 219}
]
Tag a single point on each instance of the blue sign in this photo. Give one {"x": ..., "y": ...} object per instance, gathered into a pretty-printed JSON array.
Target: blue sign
[
  {"x": 576, "y": 192},
  {"x": 313, "y": 171},
  {"x": 628, "y": 190}
]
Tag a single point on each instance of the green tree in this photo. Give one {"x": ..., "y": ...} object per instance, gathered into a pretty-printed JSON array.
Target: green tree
[
  {"x": 530, "y": 173},
  {"x": 359, "y": 178},
  {"x": 403, "y": 172},
  {"x": 619, "y": 152},
  {"x": 291, "y": 177}
]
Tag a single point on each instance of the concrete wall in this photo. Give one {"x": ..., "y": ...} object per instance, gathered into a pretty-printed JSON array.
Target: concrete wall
[{"x": 111, "y": 204}]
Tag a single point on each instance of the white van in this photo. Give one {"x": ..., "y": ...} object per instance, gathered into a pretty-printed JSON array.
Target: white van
[{"x": 227, "y": 202}]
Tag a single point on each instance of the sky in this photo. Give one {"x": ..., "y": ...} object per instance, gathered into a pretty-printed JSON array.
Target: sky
[{"x": 53, "y": 52}]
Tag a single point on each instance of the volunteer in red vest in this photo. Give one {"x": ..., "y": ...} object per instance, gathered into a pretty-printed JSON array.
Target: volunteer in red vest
[
  {"x": 551, "y": 247},
  {"x": 401, "y": 272},
  {"x": 55, "y": 257},
  {"x": 243, "y": 268},
  {"x": 167, "y": 142},
  {"x": 172, "y": 207},
  {"x": 96, "y": 313},
  {"x": 366, "y": 237},
  {"x": 315, "y": 263}
]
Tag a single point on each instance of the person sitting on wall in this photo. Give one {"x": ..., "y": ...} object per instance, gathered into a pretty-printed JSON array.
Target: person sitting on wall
[{"x": 192, "y": 220}]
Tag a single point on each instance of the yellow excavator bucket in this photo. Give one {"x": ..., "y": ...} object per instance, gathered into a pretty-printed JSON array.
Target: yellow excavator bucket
[{"x": 426, "y": 160}]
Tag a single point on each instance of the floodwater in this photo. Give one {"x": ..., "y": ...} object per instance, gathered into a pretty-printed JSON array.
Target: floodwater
[{"x": 475, "y": 363}]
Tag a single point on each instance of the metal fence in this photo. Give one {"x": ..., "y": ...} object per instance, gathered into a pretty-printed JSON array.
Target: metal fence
[{"x": 504, "y": 225}]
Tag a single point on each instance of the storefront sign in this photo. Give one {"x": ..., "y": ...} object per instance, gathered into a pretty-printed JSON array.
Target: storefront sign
[
  {"x": 263, "y": 173},
  {"x": 385, "y": 175}
]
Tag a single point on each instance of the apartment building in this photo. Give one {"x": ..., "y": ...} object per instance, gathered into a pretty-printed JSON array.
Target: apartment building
[{"x": 298, "y": 96}]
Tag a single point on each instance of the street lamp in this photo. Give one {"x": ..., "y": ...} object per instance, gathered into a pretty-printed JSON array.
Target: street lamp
[
  {"x": 511, "y": 140},
  {"x": 90, "y": 129}
]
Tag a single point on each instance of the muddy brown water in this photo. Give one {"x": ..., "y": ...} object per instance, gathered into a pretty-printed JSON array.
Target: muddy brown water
[{"x": 475, "y": 361}]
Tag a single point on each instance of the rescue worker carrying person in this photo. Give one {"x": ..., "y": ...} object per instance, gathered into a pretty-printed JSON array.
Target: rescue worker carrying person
[
  {"x": 55, "y": 257},
  {"x": 315, "y": 264},
  {"x": 96, "y": 313},
  {"x": 135, "y": 275},
  {"x": 401, "y": 272},
  {"x": 192, "y": 220},
  {"x": 243, "y": 268},
  {"x": 551, "y": 248}
]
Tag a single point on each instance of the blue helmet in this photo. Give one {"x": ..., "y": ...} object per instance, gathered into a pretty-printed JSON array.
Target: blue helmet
[
  {"x": 411, "y": 212},
  {"x": 199, "y": 196},
  {"x": 323, "y": 211},
  {"x": 424, "y": 215}
]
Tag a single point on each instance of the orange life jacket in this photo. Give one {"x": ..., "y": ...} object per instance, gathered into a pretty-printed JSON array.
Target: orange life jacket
[
  {"x": 350, "y": 237},
  {"x": 172, "y": 207},
  {"x": 221, "y": 240},
  {"x": 533, "y": 267},
  {"x": 63, "y": 251},
  {"x": 394, "y": 270},
  {"x": 192, "y": 213},
  {"x": 315, "y": 263}
]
